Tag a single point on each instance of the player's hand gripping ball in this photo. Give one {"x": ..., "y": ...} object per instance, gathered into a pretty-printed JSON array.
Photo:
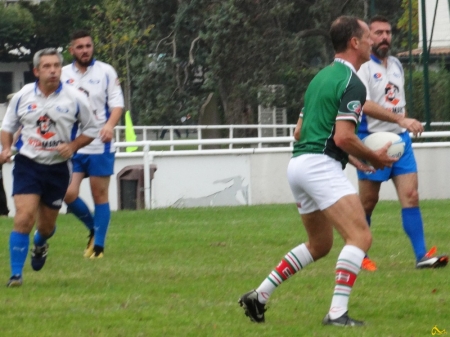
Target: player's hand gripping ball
[{"x": 377, "y": 140}]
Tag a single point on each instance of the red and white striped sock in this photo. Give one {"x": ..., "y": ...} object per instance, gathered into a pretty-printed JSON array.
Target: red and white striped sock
[
  {"x": 297, "y": 259},
  {"x": 347, "y": 268}
]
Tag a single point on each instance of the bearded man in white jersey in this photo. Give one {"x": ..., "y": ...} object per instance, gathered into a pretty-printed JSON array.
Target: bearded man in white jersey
[
  {"x": 99, "y": 82},
  {"x": 385, "y": 110}
]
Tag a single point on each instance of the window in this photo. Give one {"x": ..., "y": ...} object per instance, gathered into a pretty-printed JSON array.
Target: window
[{"x": 5, "y": 85}]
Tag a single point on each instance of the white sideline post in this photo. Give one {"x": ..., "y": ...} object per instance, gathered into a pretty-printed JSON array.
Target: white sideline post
[{"x": 148, "y": 159}]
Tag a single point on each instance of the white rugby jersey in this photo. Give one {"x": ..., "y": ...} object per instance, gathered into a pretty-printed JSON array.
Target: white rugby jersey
[
  {"x": 48, "y": 121},
  {"x": 101, "y": 84},
  {"x": 385, "y": 86}
]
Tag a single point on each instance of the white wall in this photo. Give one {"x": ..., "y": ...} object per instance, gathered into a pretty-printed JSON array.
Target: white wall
[
  {"x": 18, "y": 69},
  {"x": 441, "y": 33},
  {"x": 248, "y": 179}
]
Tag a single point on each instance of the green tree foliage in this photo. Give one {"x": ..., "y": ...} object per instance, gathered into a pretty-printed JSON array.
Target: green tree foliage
[
  {"x": 16, "y": 30},
  {"x": 403, "y": 23},
  {"x": 439, "y": 81},
  {"x": 172, "y": 81},
  {"x": 233, "y": 48},
  {"x": 171, "y": 54},
  {"x": 118, "y": 36},
  {"x": 55, "y": 20}
]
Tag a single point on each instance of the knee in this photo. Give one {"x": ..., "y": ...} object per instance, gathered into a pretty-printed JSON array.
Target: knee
[
  {"x": 369, "y": 204},
  {"x": 360, "y": 237},
  {"x": 100, "y": 195},
  {"x": 319, "y": 249},
  {"x": 412, "y": 198},
  {"x": 365, "y": 241},
  {"x": 23, "y": 222},
  {"x": 71, "y": 194}
]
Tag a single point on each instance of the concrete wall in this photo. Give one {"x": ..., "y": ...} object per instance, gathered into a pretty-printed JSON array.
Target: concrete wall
[
  {"x": 441, "y": 32},
  {"x": 18, "y": 69},
  {"x": 247, "y": 179}
]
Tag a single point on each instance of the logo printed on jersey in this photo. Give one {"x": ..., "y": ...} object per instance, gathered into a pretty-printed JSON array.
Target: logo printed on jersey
[
  {"x": 391, "y": 91},
  {"x": 70, "y": 81},
  {"x": 62, "y": 109},
  {"x": 47, "y": 145},
  {"x": 92, "y": 81},
  {"x": 354, "y": 106},
  {"x": 377, "y": 76},
  {"x": 45, "y": 124},
  {"x": 32, "y": 107}
]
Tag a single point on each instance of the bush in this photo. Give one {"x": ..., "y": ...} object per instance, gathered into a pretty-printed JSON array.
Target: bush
[{"x": 439, "y": 95}]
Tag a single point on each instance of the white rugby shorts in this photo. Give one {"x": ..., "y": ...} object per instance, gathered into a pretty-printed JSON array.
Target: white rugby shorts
[{"x": 317, "y": 181}]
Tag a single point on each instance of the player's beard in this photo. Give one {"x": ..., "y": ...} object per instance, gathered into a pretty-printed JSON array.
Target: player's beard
[
  {"x": 84, "y": 63},
  {"x": 381, "y": 52}
]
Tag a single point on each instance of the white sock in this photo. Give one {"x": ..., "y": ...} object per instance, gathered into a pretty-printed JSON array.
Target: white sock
[
  {"x": 347, "y": 268},
  {"x": 297, "y": 259}
]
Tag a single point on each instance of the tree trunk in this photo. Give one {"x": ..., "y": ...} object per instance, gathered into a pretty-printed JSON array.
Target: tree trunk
[{"x": 236, "y": 110}]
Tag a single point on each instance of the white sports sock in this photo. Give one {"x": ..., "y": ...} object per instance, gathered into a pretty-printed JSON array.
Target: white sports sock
[
  {"x": 347, "y": 268},
  {"x": 297, "y": 259}
]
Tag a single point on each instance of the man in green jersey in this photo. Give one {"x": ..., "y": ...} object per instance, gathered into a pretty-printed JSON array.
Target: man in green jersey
[{"x": 325, "y": 197}]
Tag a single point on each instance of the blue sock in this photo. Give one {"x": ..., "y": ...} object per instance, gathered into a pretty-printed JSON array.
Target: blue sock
[
  {"x": 82, "y": 212},
  {"x": 18, "y": 250},
  {"x": 40, "y": 240},
  {"x": 102, "y": 216},
  {"x": 369, "y": 219},
  {"x": 413, "y": 226}
]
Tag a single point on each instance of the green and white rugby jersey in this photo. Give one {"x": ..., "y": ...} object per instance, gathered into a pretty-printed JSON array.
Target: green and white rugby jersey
[{"x": 336, "y": 93}]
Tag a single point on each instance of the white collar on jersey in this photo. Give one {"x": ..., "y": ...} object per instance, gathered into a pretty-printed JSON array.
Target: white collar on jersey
[{"x": 348, "y": 64}]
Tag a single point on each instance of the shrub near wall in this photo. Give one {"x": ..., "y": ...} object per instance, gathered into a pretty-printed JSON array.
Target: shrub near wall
[{"x": 439, "y": 88}]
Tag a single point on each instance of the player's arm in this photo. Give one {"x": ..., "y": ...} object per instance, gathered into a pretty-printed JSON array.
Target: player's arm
[
  {"x": 360, "y": 165},
  {"x": 349, "y": 112},
  {"x": 376, "y": 111},
  {"x": 66, "y": 150},
  {"x": 116, "y": 102},
  {"x": 411, "y": 124},
  {"x": 88, "y": 128},
  {"x": 298, "y": 128},
  {"x": 346, "y": 139},
  {"x": 7, "y": 140},
  {"x": 107, "y": 132},
  {"x": 10, "y": 125}
]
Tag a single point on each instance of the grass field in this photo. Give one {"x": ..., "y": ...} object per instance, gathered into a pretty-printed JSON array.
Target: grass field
[{"x": 179, "y": 272}]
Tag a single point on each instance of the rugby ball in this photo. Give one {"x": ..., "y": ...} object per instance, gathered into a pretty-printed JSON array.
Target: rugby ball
[{"x": 377, "y": 140}]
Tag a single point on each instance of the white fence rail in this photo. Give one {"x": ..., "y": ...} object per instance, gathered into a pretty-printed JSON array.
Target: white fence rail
[
  {"x": 239, "y": 171},
  {"x": 146, "y": 133},
  {"x": 152, "y": 133},
  {"x": 261, "y": 145}
]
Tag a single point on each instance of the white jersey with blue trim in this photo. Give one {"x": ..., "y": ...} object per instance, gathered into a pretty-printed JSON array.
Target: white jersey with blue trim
[
  {"x": 49, "y": 121},
  {"x": 385, "y": 86},
  {"x": 101, "y": 84}
]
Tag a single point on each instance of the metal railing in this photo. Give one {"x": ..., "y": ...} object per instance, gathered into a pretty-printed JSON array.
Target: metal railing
[
  {"x": 145, "y": 133},
  {"x": 194, "y": 136},
  {"x": 259, "y": 145}
]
